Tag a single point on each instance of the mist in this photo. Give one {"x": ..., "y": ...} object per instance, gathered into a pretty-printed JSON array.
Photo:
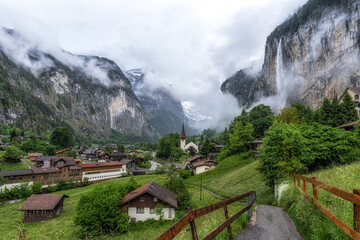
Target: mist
[{"x": 191, "y": 46}]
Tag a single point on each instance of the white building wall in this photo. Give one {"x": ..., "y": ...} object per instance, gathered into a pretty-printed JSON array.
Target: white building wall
[
  {"x": 203, "y": 168},
  {"x": 190, "y": 144},
  {"x": 12, "y": 185},
  {"x": 104, "y": 174},
  {"x": 169, "y": 213}
]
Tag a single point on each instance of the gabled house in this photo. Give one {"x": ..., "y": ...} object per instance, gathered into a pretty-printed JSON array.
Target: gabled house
[
  {"x": 140, "y": 204},
  {"x": 131, "y": 163},
  {"x": 33, "y": 156},
  {"x": 90, "y": 154},
  {"x": 203, "y": 165},
  {"x": 117, "y": 156},
  {"x": 355, "y": 95}
]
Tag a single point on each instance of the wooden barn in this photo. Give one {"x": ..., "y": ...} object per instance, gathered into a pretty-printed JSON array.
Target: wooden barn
[{"x": 42, "y": 207}]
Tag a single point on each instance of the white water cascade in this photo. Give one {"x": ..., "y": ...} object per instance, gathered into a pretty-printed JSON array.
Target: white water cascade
[{"x": 280, "y": 76}]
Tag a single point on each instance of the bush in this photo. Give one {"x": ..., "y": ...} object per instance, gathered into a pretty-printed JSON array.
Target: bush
[
  {"x": 52, "y": 188},
  {"x": 85, "y": 182},
  {"x": 185, "y": 174},
  {"x": 62, "y": 185},
  {"x": 176, "y": 185},
  {"x": 145, "y": 165},
  {"x": 12, "y": 154},
  {"x": 98, "y": 211},
  {"x": 36, "y": 188},
  {"x": 17, "y": 192}
]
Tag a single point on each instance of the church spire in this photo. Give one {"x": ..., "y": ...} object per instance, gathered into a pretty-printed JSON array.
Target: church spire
[{"x": 182, "y": 135}]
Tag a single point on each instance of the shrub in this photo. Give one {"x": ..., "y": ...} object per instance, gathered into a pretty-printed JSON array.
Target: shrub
[
  {"x": 52, "y": 188},
  {"x": 185, "y": 174},
  {"x": 145, "y": 165},
  {"x": 85, "y": 182},
  {"x": 176, "y": 185},
  {"x": 36, "y": 188},
  {"x": 98, "y": 211},
  {"x": 62, "y": 185}
]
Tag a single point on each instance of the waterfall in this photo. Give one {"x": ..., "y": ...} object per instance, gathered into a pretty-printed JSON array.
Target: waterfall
[{"x": 280, "y": 80}]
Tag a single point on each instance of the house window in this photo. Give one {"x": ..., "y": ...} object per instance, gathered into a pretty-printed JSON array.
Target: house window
[
  {"x": 139, "y": 210},
  {"x": 152, "y": 210},
  {"x": 356, "y": 97},
  {"x": 142, "y": 199},
  {"x": 155, "y": 199}
]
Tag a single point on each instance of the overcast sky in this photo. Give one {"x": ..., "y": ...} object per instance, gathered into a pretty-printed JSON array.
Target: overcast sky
[{"x": 194, "y": 45}]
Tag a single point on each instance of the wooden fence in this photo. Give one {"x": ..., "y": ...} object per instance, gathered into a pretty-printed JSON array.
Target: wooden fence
[
  {"x": 190, "y": 217},
  {"x": 354, "y": 197}
]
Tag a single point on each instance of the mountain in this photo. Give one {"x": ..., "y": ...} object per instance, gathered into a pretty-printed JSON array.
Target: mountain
[
  {"x": 89, "y": 94},
  {"x": 312, "y": 55},
  {"x": 165, "y": 112}
]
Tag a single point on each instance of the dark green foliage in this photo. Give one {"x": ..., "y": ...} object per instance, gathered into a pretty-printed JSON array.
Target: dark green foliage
[
  {"x": 326, "y": 113},
  {"x": 12, "y": 154},
  {"x": 33, "y": 144},
  {"x": 61, "y": 137},
  {"x": 185, "y": 173},
  {"x": 206, "y": 147},
  {"x": 292, "y": 148},
  {"x": 36, "y": 188},
  {"x": 261, "y": 117},
  {"x": 304, "y": 112},
  {"x": 98, "y": 211},
  {"x": 348, "y": 109},
  {"x": 288, "y": 115},
  {"x": 17, "y": 192},
  {"x": 148, "y": 157},
  {"x": 2, "y": 180},
  {"x": 145, "y": 165},
  {"x": 337, "y": 118},
  {"x": 176, "y": 185},
  {"x": 71, "y": 154},
  {"x": 120, "y": 148},
  {"x": 108, "y": 149},
  {"x": 85, "y": 182},
  {"x": 62, "y": 185},
  {"x": 167, "y": 145}
]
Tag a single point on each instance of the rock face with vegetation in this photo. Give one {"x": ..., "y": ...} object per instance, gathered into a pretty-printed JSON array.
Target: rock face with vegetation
[
  {"x": 312, "y": 55},
  {"x": 165, "y": 112},
  {"x": 89, "y": 94}
]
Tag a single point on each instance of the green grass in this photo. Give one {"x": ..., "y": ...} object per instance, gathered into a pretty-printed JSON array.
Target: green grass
[
  {"x": 5, "y": 166},
  {"x": 312, "y": 223},
  {"x": 233, "y": 176},
  {"x": 62, "y": 227}
]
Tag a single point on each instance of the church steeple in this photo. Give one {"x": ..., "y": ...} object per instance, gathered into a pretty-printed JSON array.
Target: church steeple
[{"x": 182, "y": 135}]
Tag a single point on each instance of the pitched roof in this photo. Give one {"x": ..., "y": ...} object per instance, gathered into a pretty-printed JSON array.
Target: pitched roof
[
  {"x": 16, "y": 173},
  {"x": 194, "y": 158},
  {"x": 348, "y": 125},
  {"x": 126, "y": 160},
  {"x": 207, "y": 162},
  {"x": 64, "y": 150},
  {"x": 91, "y": 165},
  {"x": 44, "y": 158},
  {"x": 114, "y": 154},
  {"x": 155, "y": 190},
  {"x": 90, "y": 151},
  {"x": 34, "y": 154},
  {"x": 45, "y": 170},
  {"x": 182, "y": 135},
  {"x": 68, "y": 160},
  {"x": 41, "y": 202},
  {"x": 355, "y": 89}
]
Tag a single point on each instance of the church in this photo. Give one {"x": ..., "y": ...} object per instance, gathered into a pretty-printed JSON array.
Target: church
[{"x": 186, "y": 147}]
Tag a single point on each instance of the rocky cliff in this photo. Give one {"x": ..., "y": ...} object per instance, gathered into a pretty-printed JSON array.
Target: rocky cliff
[
  {"x": 312, "y": 55},
  {"x": 87, "y": 93},
  {"x": 165, "y": 112}
]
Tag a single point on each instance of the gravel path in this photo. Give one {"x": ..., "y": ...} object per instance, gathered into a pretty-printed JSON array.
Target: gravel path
[{"x": 270, "y": 223}]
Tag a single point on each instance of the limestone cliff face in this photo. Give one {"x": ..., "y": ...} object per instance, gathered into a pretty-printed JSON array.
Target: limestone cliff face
[
  {"x": 88, "y": 93},
  {"x": 321, "y": 59}
]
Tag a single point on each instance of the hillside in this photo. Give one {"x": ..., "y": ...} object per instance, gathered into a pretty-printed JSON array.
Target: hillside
[
  {"x": 89, "y": 94},
  {"x": 310, "y": 222},
  {"x": 310, "y": 56},
  {"x": 233, "y": 176}
]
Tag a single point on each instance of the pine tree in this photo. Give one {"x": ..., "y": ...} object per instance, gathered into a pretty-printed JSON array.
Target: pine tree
[
  {"x": 336, "y": 112},
  {"x": 349, "y": 112},
  {"x": 326, "y": 113}
]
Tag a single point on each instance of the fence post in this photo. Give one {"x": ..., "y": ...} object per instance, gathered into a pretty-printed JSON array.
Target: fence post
[
  {"x": 294, "y": 178},
  {"x": 304, "y": 185},
  {"x": 193, "y": 228},
  {"x": 248, "y": 201},
  {"x": 314, "y": 189},
  {"x": 298, "y": 180},
  {"x": 356, "y": 212},
  {"x": 229, "y": 227}
]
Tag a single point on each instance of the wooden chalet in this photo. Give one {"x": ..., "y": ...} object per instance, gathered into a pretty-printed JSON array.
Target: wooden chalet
[
  {"x": 195, "y": 159},
  {"x": 33, "y": 156},
  {"x": 117, "y": 156},
  {"x": 62, "y": 152},
  {"x": 42, "y": 207},
  {"x": 203, "y": 165},
  {"x": 131, "y": 163},
  {"x": 90, "y": 154},
  {"x": 140, "y": 204}
]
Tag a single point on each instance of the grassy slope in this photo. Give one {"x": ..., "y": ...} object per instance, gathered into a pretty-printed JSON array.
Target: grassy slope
[
  {"x": 233, "y": 176},
  {"x": 312, "y": 223},
  {"x": 5, "y": 166},
  {"x": 10, "y": 218}
]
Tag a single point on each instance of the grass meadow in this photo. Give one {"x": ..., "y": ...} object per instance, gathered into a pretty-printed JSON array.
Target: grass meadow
[
  {"x": 311, "y": 222},
  {"x": 5, "y": 166}
]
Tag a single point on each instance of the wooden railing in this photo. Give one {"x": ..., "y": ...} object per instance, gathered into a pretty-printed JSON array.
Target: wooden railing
[
  {"x": 190, "y": 217},
  {"x": 354, "y": 197}
]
